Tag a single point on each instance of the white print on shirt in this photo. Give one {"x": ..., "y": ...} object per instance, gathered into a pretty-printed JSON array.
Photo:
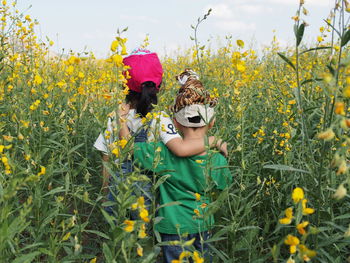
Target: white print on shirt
[{"x": 162, "y": 128}]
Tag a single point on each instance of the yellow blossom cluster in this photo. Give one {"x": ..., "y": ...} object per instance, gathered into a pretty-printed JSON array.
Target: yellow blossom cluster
[{"x": 292, "y": 241}]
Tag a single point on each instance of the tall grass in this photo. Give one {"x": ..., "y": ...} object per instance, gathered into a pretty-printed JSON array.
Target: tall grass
[{"x": 284, "y": 114}]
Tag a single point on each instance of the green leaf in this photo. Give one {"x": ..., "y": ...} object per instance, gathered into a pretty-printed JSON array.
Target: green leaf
[
  {"x": 345, "y": 39},
  {"x": 215, "y": 239},
  {"x": 332, "y": 27},
  {"x": 157, "y": 219},
  {"x": 300, "y": 33},
  {"x": 108, "y": 203},
  {"x": 161, "y": 180},
  {"x": 346, "y": 216},
  {"x": 107, "y": 253},
  {"x": 282, "y": 167},
  {"x": 97, "y": 233},
  {"x": 310, "y": 80},
  {"x": 286, "y": 60},
  {"x": 54, "y": 191},
  {"x": 75, "y": 148},
  {"x": 27, "y": 258},
  {"x": 295, "y": 29},
  {"x": 313, "y": 49},
  {"x": 331, "y": 69},
  {"x": 248, "y": 228},
  {"x": 169, "y": 204}
]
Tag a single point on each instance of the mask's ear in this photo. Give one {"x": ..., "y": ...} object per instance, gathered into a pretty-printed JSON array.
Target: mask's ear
[{"x": 176, "y": 123}]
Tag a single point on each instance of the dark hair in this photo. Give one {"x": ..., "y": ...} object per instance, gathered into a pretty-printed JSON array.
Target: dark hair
[{"x": 143, "y": 101}]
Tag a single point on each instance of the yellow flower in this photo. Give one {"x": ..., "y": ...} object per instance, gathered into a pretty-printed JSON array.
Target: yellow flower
[
  {"x": 292, "y": 241},
  {"x": 289, "y": 216},
  {"x": 66, "y": 236},
  {"x": 134, "y": 206},
  {"x": 197, "y": 258},
  {"x": 339, "y": 108},
  {"x": 139, "y": 251},
  {"x": 340, "y": 193},
  {"x": 122, "y": 143},
  {"x": 198, "y": 196},
  {"x": 326, "y": 135},
  {"x": 4, "y": 159},
  {"x": 241, "y": 68},
  {"x": 346, "y": 92},
  {"x": 342, "y": 167},
  {"x": 144, "y": 215},
  {"x": 129, "y": 225},
  {"x": 8, "y": 138},
  {"x": 2, "y": 148},
  {"x": 114, "y": 45},
  {"x": 142, "y": 232},
  {"x": 298, "y": 194},
  {"x": 196, "y": 211},
  {"x": 203, "y": 205},
  {"x": 42, "y": 170},
  {"x": 117, "y": 59},
  {"x": 124, "y": 50},
  {"x": 307, "y": 252},
  {"x": 115, "y": 151},
  {"x": 306, "y": 210},
  {"x": 240, "y": 43},
  {"x": 141, "y": 202},
  {"x": 301, "y": 226},
  {"x": 37, "y": 80}
]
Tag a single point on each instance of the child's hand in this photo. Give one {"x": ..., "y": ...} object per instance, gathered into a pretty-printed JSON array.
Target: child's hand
[
  {"x": 222, "y": 146},
  {"x": 123, "y": 110},
  {"x": 218, "y": 144}
]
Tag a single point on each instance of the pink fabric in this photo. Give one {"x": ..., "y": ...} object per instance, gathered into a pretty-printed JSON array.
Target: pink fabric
[{"x": 145, "y": 67}]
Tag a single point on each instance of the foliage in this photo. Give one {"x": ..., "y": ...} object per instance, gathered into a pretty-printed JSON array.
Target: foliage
[{"x": 284, "y": 113}]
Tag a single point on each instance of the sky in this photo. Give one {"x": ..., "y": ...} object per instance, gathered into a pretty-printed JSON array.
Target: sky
[{"x": 86, "y": 25}]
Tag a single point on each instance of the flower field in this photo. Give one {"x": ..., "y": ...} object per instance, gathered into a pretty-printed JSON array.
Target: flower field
[{"x": 285, "y": 113}]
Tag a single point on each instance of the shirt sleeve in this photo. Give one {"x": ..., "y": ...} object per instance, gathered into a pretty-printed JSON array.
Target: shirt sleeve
[
  {"x": 149, "y": 155},
  {"x": 167, "y": 129},
  {"x": 106, "y": 138}
]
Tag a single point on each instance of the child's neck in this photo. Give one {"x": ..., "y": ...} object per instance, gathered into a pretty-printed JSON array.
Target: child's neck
[{"x": 194, "y": 134}]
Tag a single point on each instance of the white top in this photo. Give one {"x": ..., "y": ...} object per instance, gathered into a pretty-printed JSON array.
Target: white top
[{"x": 161, "y": 127}]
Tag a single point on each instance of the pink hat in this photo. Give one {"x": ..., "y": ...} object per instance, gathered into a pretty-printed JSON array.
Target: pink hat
[{"x": 144, "y": 66}]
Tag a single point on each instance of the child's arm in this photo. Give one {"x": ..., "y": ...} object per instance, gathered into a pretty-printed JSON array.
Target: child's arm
[
  {"x": 105, "y": 174},
  {"x": 124, "y": 132},
  {"x": 182, "y": 148},
  {"x": 185, "y": 148},
  {"x": 175, "y": 143}
]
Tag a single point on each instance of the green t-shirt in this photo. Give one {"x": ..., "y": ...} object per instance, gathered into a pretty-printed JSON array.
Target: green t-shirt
[{"x": 187, "y": 180}]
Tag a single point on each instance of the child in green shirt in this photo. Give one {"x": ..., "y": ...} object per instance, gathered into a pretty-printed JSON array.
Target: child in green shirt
[{"x": 194, "y": 115}]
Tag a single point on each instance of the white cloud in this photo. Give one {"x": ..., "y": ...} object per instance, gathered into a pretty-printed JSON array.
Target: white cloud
[
  {"x": 232, "y": 25},
  {"x": 140, "y": 18},
  {"x": 307, "y": 2},
  {"x": 255, "y": 9},
  {"x": 98, "y": 35},
  {"x": 222, "y": 11}
]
